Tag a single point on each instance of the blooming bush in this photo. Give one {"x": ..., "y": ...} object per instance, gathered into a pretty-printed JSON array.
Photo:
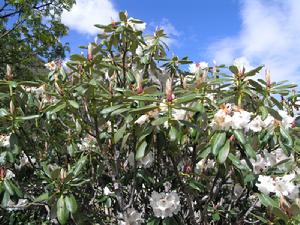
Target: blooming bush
[{"x": 129, "y": 136}]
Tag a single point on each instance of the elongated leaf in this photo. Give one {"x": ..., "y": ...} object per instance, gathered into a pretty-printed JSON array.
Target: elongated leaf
[
  {"x": 79, "y": 58},
  {"x": 224, "y": 151},
  {"x": 71, "y": 203},
  {"x": 159, "y": 121},
  {"x": 62, "y": 212},
  {"x": 140, "y": 152},
  {"x": 110, "y": 109},
  {"x": 42, "y": 197},
  {"x": 73, "y": 104},
  {"x": 286, "y": 136},
  {"x": 119, "y": 134},
  {"x": 239, "y": 136},
  {"x": 217, "y": 142},
  {"x": 250, "y": 151},
  {"x": 8, "y": 187}
]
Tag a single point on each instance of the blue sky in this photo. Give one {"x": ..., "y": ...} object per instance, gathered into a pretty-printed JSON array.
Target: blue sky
[{"x": 257, "y": 31}]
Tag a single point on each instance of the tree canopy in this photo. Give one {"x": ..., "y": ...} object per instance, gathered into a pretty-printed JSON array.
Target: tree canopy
[{"x": 29, "y": 34}]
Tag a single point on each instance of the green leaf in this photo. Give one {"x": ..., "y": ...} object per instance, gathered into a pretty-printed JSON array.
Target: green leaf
[
  {"x": 122, "y": 16},
  {"x": 5, "y": 199},
  {"x": 254, "y": 71},
  {"x": 173, "y": 134},
  {"x": 16, "y": 190},
  {"x": 250, "y": 151},
  {"x": 159, "y": 121},
  {"x": 42, "y": 197},
  {"x": 62, "y": 212},
  {"x": 3, "y": 112},
  {"x": 224, "y": 151},
  {"x": 8, "y": 187},
  {"x": 217, "y": 142},
  {"x": 266, "y": 200},
  {"x": 239, "y": 136},
  {"x": 140, "y": 152},
  {"x": 286, "y": 136},
  {"x": 71, "y": 203},
  {"x": 77, "y": 57},
  {"x": 119, "y": 134},
  {"x": 144, "y": 109},
  {"x": 73, "y": 104},
  {"x": 27, "y": 117},
  {"x": 234, "y": 70},
  {"x": 144, "y": 98},
  {"x": 110, "y": 109},
  {"x": 187, "y": 98},
  {"x": 78, "y": 166}
]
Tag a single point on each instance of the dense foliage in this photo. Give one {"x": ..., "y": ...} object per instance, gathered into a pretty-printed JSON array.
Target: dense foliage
[
  {"x": 29, "y": 33},
  {"x": 129, "y": 136}
]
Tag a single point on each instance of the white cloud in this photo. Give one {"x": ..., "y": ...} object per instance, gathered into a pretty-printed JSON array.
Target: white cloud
[
  {"x": 270, "y": 35},
  {"x": 86, "y": 13}
]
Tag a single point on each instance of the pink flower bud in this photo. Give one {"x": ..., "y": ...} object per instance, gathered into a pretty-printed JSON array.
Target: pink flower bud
[
  {"x": 9, "y": 74},
  {"x": 268, "y": 77},
  {"x": 139, "y": 87},
  {"x": 169, "y": 92},
  {"x": 90, "y": 52}
]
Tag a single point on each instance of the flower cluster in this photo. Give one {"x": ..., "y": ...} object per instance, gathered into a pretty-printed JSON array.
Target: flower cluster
[
  {"x": 132, "y": 217},
  {"x": 279, "y": 185},
  {"x": 231, "y": 116},
  {"x": 165, "y": 204},
  {"x": 267, "y": 159}
]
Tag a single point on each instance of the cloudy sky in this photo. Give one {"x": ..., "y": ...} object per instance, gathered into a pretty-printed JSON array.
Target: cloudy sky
[{"x": 258, "y": 31}]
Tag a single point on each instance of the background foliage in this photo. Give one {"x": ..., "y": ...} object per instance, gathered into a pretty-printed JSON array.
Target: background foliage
[{"x": 129, "y": 136}]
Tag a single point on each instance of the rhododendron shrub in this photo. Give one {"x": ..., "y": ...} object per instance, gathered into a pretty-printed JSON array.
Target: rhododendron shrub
[{"x": 126, "y": 135}]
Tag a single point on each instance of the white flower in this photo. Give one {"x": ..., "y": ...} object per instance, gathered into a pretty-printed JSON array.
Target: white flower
[
  {"x": 221, "y": 121},
  {"x": 24, "y": 161},
  {"x": 204, "y": 164},
  {"x": 259, "y": 165},
  {"x": 197, "y": 67},
  {"x": 106, "y": 191},
  {"x": 266, "y": 184},
  {"x": 279, "y": 185},
  {"x": 142, "y": 119},
  {"x": 165, "y": 204},
  {"x": 179, "y": 114},
  {"x": 147, "y": 160},
  {"x": 256, "y": 125},
  {"x": 139, "y": 51},
  {"x": 137, "y": 26},
  {"x": 240, "y": 119},
  {"x": 22, "y": 203},
  {"x": 4, "y": 140},
  {"x": 287, "y": 120},
  {"x": 9, "y": 174},
  {"x": 241, "y": 63},
  {"x": 51, "y": 65},
  {"x": 269, "y": 121},
  {"x": 132, "y": 217}
]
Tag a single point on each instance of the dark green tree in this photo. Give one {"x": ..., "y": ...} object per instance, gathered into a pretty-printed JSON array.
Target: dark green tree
[{"x": 29, "y": 34}]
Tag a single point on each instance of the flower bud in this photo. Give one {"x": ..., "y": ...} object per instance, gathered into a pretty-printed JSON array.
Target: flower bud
[
  {"x": 90, "y": 52},
  {"x": 9, "y": 74},
  {"x": 11, "y": 107},
  {"x": 184, "y": 83},
  {"x": 139, "y": 85},
  {"x": 268, "y": 78},
  {"x": 63, "y": 174},
  {"x": 169, "y": 92}
]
